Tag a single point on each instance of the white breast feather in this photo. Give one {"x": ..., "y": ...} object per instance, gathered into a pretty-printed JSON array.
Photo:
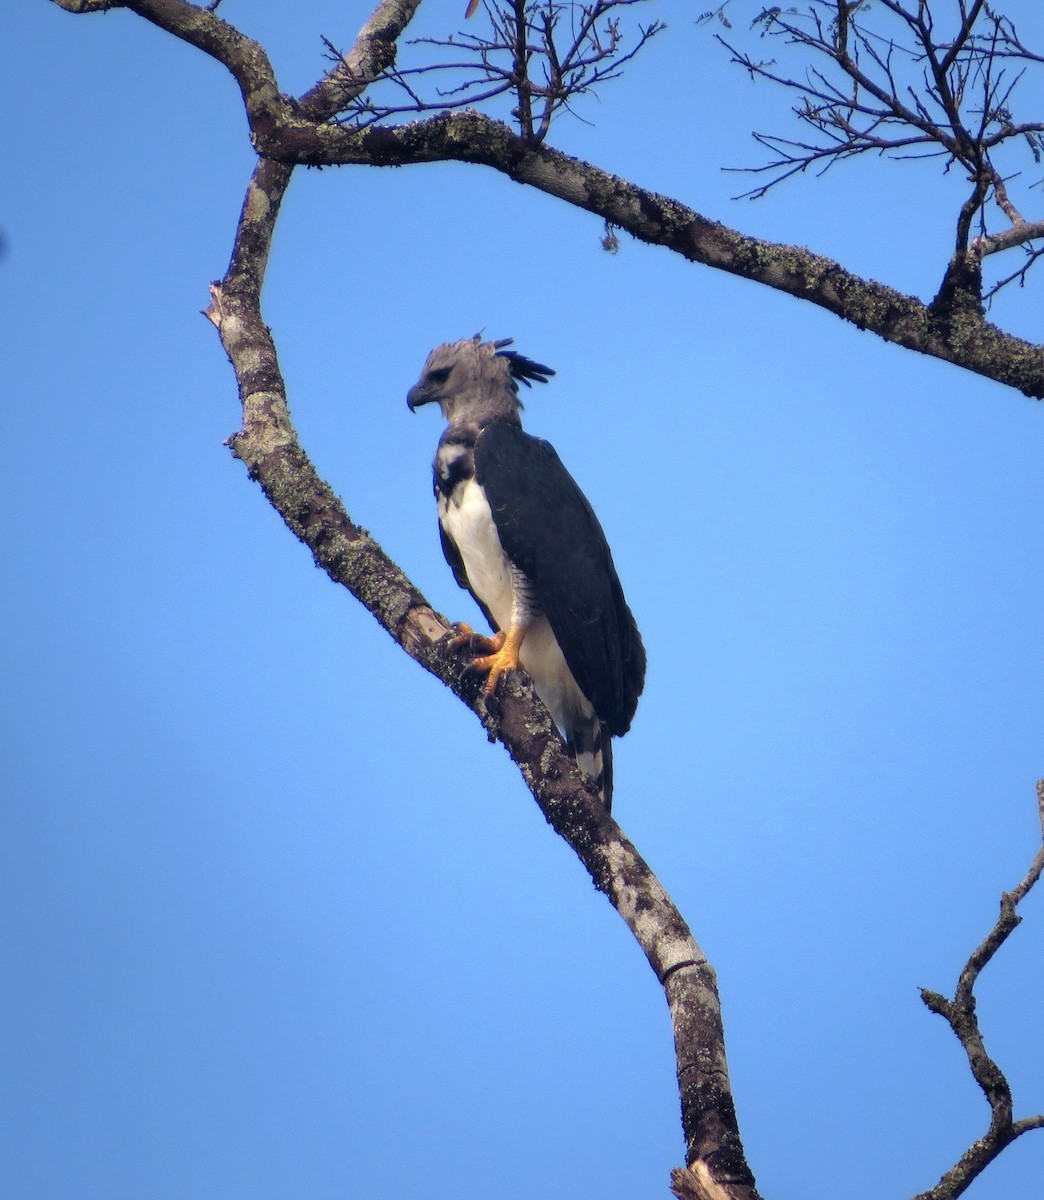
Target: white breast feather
[
  {"x": 468, "y": 522},
  {"x": 466, "y": 518}
]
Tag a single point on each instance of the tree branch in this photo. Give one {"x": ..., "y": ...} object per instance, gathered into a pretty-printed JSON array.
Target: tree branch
[
  {"x": 960, "y": 1014},
  {"x": 1019, "y": 234},
  {"x": 299, "y": 132},
  {"x": 960, "y": 336},
  {"x": 204, "y": 29}
]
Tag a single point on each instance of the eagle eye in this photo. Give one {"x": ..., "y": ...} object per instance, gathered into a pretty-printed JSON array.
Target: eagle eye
[{"x": 439, "y": 374}]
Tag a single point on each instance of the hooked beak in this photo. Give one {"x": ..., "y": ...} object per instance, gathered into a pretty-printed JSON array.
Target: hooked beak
[{"x": 417, "y": 396}]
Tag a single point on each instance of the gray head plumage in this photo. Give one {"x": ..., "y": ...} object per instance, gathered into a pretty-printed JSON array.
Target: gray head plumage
[{"x": 473, "y": 379}]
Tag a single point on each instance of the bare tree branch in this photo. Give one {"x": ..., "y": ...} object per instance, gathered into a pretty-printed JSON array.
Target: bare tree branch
[
  {"x": 961, "y": 1016},
  {"x": 1019, "y": 234},
  {"x": 878, "y": 94},
  {"x": 294, "y": 131},
  {"x": 958, "y": 335}
]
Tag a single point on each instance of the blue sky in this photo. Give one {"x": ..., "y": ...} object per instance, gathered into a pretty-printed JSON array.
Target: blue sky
[{"x": 277, "y": 921}]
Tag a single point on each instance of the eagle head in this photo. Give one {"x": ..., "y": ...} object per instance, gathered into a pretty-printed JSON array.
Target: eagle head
[{"x": 473, "y": 379}]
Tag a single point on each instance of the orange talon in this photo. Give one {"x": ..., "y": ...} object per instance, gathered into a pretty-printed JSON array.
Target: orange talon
[
  {"x": 462, "y": 637},
  {"x": 480, "y": 642},
  {"x": 504, "y": 657}
]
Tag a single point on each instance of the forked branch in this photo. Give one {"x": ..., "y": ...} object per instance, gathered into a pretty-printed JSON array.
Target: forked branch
[{"x": 961, "y": 1016}]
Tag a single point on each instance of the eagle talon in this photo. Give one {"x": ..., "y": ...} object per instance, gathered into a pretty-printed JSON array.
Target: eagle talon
[
  {"x": 462, "y": 635},
  {"x": 478, "y": 643},
  {"x": 503, "y": 659}
]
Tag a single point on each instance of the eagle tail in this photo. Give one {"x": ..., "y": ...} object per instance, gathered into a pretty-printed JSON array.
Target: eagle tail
[{"x": 593, "y": 747}]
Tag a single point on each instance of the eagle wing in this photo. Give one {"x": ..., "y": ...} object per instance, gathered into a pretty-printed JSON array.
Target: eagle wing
[{"x": 550, "y": 532}]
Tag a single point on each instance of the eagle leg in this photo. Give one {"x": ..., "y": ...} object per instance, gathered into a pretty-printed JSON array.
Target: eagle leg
[{"x": 504, "y": 656}]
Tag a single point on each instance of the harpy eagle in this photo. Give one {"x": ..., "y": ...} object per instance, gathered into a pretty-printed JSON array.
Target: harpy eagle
[{"x": 522, "y": 538}]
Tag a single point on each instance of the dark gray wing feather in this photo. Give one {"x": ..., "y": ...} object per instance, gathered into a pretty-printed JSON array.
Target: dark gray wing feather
[{"x": 550, "y": 532}]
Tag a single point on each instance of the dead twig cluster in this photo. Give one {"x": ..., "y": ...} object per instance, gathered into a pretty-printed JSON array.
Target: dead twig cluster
[
  {"x": 543, "y": 54},
  {"x": 890, "y": 79}
]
